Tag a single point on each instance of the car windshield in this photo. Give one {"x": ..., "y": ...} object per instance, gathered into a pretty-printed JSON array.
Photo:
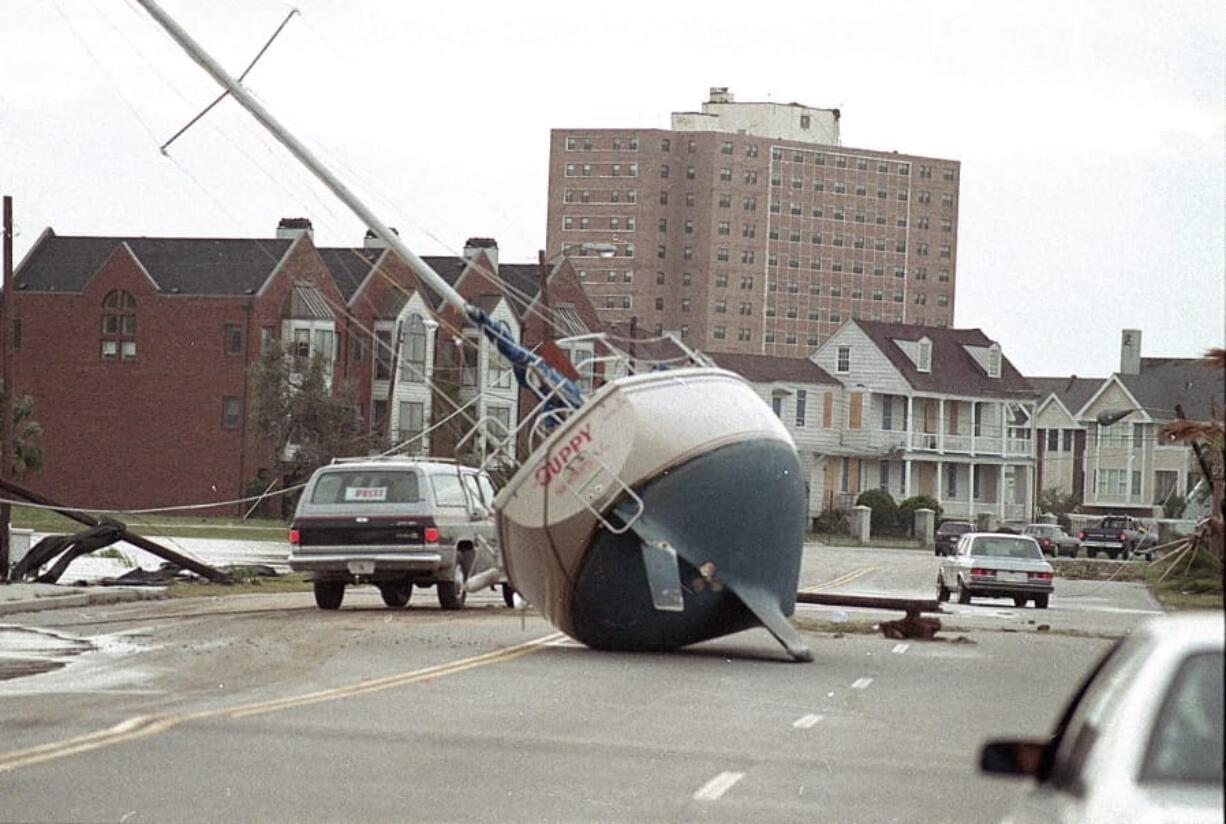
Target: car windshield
[
  {"x": 950, "y": 528},
  {"x": 1005, "y": 548},
  {"x": 1045, "y": 531},
  {"x": 1186, "y": 742},
  {"x": 367, "y": 487}
]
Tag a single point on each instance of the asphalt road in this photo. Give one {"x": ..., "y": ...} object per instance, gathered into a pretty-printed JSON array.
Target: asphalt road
[{"x": 264, "y": 708}]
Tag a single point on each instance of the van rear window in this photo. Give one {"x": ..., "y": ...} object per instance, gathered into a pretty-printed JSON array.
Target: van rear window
[{"x": 366, "y": 487}]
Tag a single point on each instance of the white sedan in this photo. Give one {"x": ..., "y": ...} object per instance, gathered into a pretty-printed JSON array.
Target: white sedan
[
  {"x": 1141, "y": 740},
  {"x": 996, "y": 565}
]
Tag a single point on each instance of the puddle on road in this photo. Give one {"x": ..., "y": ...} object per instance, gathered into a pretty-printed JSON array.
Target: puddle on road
[
  {"x": 27, "y": 651},
  {"x": 41, "y": 661}
]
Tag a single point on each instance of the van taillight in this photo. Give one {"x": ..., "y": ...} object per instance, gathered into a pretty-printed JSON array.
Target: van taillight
[
  {"x": 431, "y": 534},
  {"x": 294, "y": 537}
]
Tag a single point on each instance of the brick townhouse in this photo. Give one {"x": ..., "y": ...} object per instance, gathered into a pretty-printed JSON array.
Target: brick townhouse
[{"x": 138, "y": 351}]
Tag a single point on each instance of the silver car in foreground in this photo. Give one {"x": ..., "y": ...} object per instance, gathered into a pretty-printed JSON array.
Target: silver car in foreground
[
  {"x": 1141, "y": 739},
  {"x": 996, "y": 565}
]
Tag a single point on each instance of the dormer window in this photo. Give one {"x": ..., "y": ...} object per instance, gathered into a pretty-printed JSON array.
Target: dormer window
[
  {"x": 994, "y": 360},
  {"x": 844, "y": 360},
  {"x": 924, "y": 355}
]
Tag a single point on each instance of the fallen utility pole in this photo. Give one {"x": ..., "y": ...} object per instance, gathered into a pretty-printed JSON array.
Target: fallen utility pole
[
  {"x": 213, "y": 574},
  {"x": 912, "y": 626}
]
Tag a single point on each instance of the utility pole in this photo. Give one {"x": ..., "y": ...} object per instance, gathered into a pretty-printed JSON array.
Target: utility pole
[
  {"x": 6, "y": 367},
  {"x": 543, "y": 272}
]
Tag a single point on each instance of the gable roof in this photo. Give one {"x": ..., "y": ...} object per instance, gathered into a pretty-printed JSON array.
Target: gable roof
[
  {"x": 1164, "y": 382},
  {"x": 190, "y": 266},
  {"x": 954, "y": 370},
  {"x": 349, "y": 267},
  {"x": 1072, "y": 391},
  {"x": 769, "y": 368}
]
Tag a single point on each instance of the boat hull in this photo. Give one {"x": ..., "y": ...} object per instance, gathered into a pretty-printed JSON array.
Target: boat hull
[
  {"x": 691, "y": 463},
  {"x": 735, "y": 517}
]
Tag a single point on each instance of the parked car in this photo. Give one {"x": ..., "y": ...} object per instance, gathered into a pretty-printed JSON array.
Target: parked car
[
  {"x": 398, "y": 523},
  {"x": 947, "y": 535},
  {"x": 1053, "y": 540},
  {"x": 997, "y": 566},
  {"x": 1118, "y": 535},
  {"x": 1141, "y": 740}
]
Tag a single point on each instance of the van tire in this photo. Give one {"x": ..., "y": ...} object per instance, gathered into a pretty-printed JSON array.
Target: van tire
[
  {"x": 452, "y": 594},
  {"x": 329, "y": 594}
]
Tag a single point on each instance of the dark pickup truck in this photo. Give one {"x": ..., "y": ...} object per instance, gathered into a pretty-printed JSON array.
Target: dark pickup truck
[{"x": 1118, "y": 536}]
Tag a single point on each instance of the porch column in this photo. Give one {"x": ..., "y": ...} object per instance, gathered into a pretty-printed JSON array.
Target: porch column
[
  {"x": 970, "y": 491},
  {"x": 906, "y": 477},
  {"x": 1004, "y": 430},
  {"x": 940, "y": 490},
  {"x": 974, "y": 410},
  {"x": 910, "y": 427},
  {"x": 1000, "y": 489},
  {"x": 941, "y": 425}
]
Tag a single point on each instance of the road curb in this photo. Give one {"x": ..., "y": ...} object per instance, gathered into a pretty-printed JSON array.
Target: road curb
[{"x": 85, "y": 599}]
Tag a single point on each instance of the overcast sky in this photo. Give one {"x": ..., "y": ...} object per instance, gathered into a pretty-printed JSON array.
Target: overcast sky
[{"x": 1092, "y": 135}]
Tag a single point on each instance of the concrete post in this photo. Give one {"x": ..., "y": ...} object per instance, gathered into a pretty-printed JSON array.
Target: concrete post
[
  {"x": 860, "y": 522},
  {"x": 925, "y": 526},
  {"x": 985, "y": 522}
]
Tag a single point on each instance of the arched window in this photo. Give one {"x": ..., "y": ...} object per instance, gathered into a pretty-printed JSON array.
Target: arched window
[
  {"x": 118, "y": 325},
  {"x": 413, "y": 356}
]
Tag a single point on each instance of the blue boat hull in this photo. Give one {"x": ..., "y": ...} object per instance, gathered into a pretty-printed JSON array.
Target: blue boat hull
[{"x": 735, "y": 518}]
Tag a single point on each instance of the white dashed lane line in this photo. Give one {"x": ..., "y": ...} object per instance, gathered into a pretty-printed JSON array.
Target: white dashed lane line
[
  {"x": 901, "y": 648},
  {"x": 717, "y": 786},
  {"x": 861, "y": 683},
  {"x": 806, "y": 721}
]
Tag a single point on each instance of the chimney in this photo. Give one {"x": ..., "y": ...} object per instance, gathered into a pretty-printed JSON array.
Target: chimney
[
  {"x": 1130, "y": 352},
  {"x": 373, "y": 241},
  {"x": 720, "y": 94},
  {"x": 482, "y": 244},
  {"x": 291, "y": 227}
]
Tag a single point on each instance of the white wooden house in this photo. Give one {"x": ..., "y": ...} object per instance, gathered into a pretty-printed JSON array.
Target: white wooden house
[{"x": 928, "y": 411}]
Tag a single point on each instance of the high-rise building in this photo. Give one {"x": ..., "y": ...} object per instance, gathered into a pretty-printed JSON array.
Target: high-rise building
[{"x": 748, "y": 227}]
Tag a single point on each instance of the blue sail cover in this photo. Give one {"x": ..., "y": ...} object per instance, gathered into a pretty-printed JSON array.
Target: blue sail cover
[{"x": 550, "y": 386}]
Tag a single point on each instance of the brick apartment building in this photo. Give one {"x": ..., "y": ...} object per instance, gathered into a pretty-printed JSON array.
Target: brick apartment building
[
  {"x": 748, "y": 227},
  {"x": 137, "y": 351}
]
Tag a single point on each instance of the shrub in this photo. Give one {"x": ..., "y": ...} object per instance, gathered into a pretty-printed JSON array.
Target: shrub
[
  {"x": 831, "y": 522},
  {"x": 906, "y": 511},
  {"x": 885, "y": 512}
]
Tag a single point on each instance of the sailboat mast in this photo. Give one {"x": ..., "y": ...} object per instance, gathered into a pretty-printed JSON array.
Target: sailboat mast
[{"x": 304, "y": 155}]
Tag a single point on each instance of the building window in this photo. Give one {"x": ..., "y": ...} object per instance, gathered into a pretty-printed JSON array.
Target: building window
[
  {"x": 664, "y": 170},
  {"x": 801, "y": 397},
  {"x": 118, "y": 325},
  {"x": 16, "y": 334},
  {"x": 233, "y": 339},
  {"x": 268, "y": 334},
  {"x": 412, "y": 423},
  {"x": 844, "y": 359},
  {"x": 883, "y": 476},
  {"x": 725, "y": 200},
  {"x": 690, "y": 174},
  {"x": 719, "y": 333},
  {"x": 725, "y": 174},
  {"x": 231, "y": 413},
  {"x": 951, "y": 481}
]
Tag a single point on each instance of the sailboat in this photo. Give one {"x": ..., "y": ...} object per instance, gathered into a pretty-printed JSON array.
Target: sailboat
[{"x": 664, "y": 510}]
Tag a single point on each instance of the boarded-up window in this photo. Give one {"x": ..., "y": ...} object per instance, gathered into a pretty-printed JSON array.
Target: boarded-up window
[
  {"x": 855, "y": 410},
  {"x": 828, "y": 410},
  {"x": 953, "y": 418}
]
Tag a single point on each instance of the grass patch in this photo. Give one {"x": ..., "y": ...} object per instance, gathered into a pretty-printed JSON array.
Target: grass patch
[
  {"x": 152, "y": 526},
  {"x": 823, "y": 625},
  {"x": 292, "y": 582},
  {"x": 1095, "y": 570},
  {"x": 837, "y": 539},
  {"x": 1184, "y": 581}
]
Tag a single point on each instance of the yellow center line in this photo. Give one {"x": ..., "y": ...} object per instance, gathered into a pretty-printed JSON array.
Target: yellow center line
[
  {"x": 142, "y": 726},
  {"x": 845, "y": 578}
]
